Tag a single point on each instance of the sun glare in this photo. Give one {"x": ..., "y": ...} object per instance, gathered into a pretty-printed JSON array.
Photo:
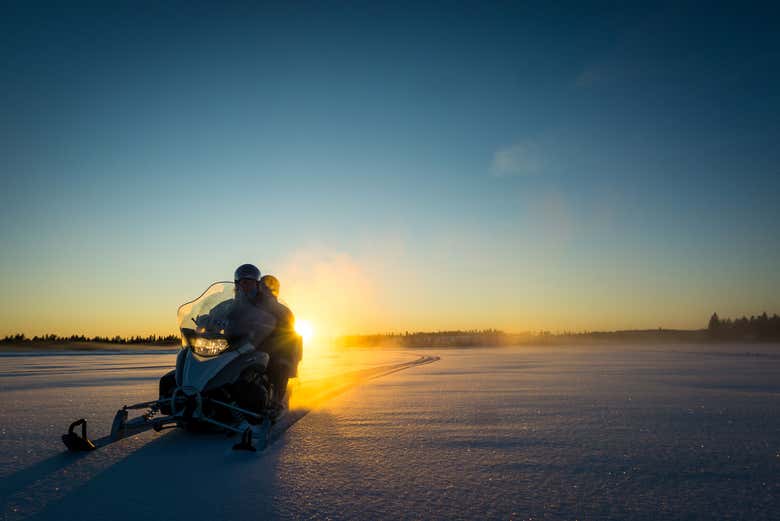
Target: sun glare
[{"x": 305, "y": 329}]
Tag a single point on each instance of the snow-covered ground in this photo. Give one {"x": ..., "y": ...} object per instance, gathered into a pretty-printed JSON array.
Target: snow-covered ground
[{"x": 642, "y": 432}]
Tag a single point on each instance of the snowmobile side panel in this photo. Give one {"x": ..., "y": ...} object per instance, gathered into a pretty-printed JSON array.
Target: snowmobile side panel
[
  {"x": 180, "y": 358},
  {"x": 234, "y": 368},
  {"x": 198, "y": 370}
]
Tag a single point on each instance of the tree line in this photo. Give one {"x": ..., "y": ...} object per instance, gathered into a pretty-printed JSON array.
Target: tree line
[
  {"x": 760, "y": 328},
  {"x": 21, "y": 338}
]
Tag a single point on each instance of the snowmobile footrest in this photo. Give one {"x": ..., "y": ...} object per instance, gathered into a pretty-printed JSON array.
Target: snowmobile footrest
[
  {"x": 246, "y": 442},
  {"x": 76, "y": 443}
]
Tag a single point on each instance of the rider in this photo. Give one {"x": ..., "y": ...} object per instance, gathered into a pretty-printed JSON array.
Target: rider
[
  {"x": 247, "y": 279},
  {"x": 246, "y": 311}
]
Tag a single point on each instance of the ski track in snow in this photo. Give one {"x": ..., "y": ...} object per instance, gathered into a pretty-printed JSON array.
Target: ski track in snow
[{"x": 597, "y": 432}]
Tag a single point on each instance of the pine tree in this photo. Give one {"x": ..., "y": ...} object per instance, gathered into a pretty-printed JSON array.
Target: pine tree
[{"x": 714, "y": 323}]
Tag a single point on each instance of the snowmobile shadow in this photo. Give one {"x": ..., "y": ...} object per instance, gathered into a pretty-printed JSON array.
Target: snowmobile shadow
[
  {"x": 25, "y": 477},
  {"x": 181, "y": 470},
  {"x": 182, "y": 473},
  {"x": 176, "y": 475},
  {"x": 185, "y": 475},
  {"x": 27, "y": 491},
  {"x": 24, "y": 492}
]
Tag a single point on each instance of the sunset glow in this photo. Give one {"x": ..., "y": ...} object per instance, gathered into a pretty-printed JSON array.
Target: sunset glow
[
  {"x": 613, "y": 181},
  {"x": 389, "y": 260},
  {"x": 305, "y": 329}
]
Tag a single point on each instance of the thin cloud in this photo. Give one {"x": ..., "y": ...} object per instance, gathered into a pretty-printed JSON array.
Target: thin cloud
[{"x": 519, "y": 159}]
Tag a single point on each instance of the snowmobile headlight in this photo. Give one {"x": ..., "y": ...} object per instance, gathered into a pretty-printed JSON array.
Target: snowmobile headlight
[{"x": 209, "y": 346}]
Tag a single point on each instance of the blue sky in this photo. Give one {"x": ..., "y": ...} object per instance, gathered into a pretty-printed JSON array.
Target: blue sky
[{"x": 400, "y": 167}]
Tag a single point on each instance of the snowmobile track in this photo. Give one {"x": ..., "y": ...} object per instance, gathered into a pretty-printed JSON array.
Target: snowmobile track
[{"x": 355, "y": 378}]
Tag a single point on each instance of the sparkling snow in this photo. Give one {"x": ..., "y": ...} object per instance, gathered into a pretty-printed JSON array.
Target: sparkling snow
[{"x": 630, "y": 432}]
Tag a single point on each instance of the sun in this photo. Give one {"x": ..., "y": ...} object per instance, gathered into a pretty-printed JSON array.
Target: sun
[{"x": 305, "y": 329}]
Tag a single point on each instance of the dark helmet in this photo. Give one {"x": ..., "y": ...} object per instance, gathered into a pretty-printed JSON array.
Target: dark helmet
[
  {"x": 272, "y": 283},
  {"x": 247, "y": 271}
]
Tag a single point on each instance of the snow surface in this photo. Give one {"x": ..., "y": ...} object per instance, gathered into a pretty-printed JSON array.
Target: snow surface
[{"x": 630, "y": 432}]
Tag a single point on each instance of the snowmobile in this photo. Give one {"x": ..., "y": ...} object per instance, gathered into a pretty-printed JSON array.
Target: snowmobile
[{"x": 220, "y": 381}]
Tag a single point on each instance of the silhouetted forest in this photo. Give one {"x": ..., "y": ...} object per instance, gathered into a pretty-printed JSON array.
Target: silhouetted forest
[
  {"x": 754, "y": 329},
  {"x": 21, "y": 339},
  {"x": 760, "y": 328}
]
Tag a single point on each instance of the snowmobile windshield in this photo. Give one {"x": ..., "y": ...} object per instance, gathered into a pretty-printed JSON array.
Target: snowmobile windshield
[
  {"x": 219, "y": 317},
  {"x": 203, "y": 321}
]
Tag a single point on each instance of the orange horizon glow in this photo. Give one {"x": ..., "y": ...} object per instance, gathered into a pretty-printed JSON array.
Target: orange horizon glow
[{"x": 340, "y": 294}]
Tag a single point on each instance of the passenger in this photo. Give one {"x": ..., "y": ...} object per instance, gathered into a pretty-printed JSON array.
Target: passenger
[
  {"x": 285, "y": 345},
  {"x": 284, "y": 317}
]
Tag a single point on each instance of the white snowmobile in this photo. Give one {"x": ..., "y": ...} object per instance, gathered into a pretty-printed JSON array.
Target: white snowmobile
[{"x": 220, "y": 380}]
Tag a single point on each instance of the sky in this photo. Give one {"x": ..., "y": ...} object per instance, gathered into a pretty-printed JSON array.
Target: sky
[{"x": 402, "y": 166}]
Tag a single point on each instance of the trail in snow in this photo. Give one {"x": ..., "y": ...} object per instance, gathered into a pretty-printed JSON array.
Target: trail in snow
[{"x": 313, "y": 393}]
